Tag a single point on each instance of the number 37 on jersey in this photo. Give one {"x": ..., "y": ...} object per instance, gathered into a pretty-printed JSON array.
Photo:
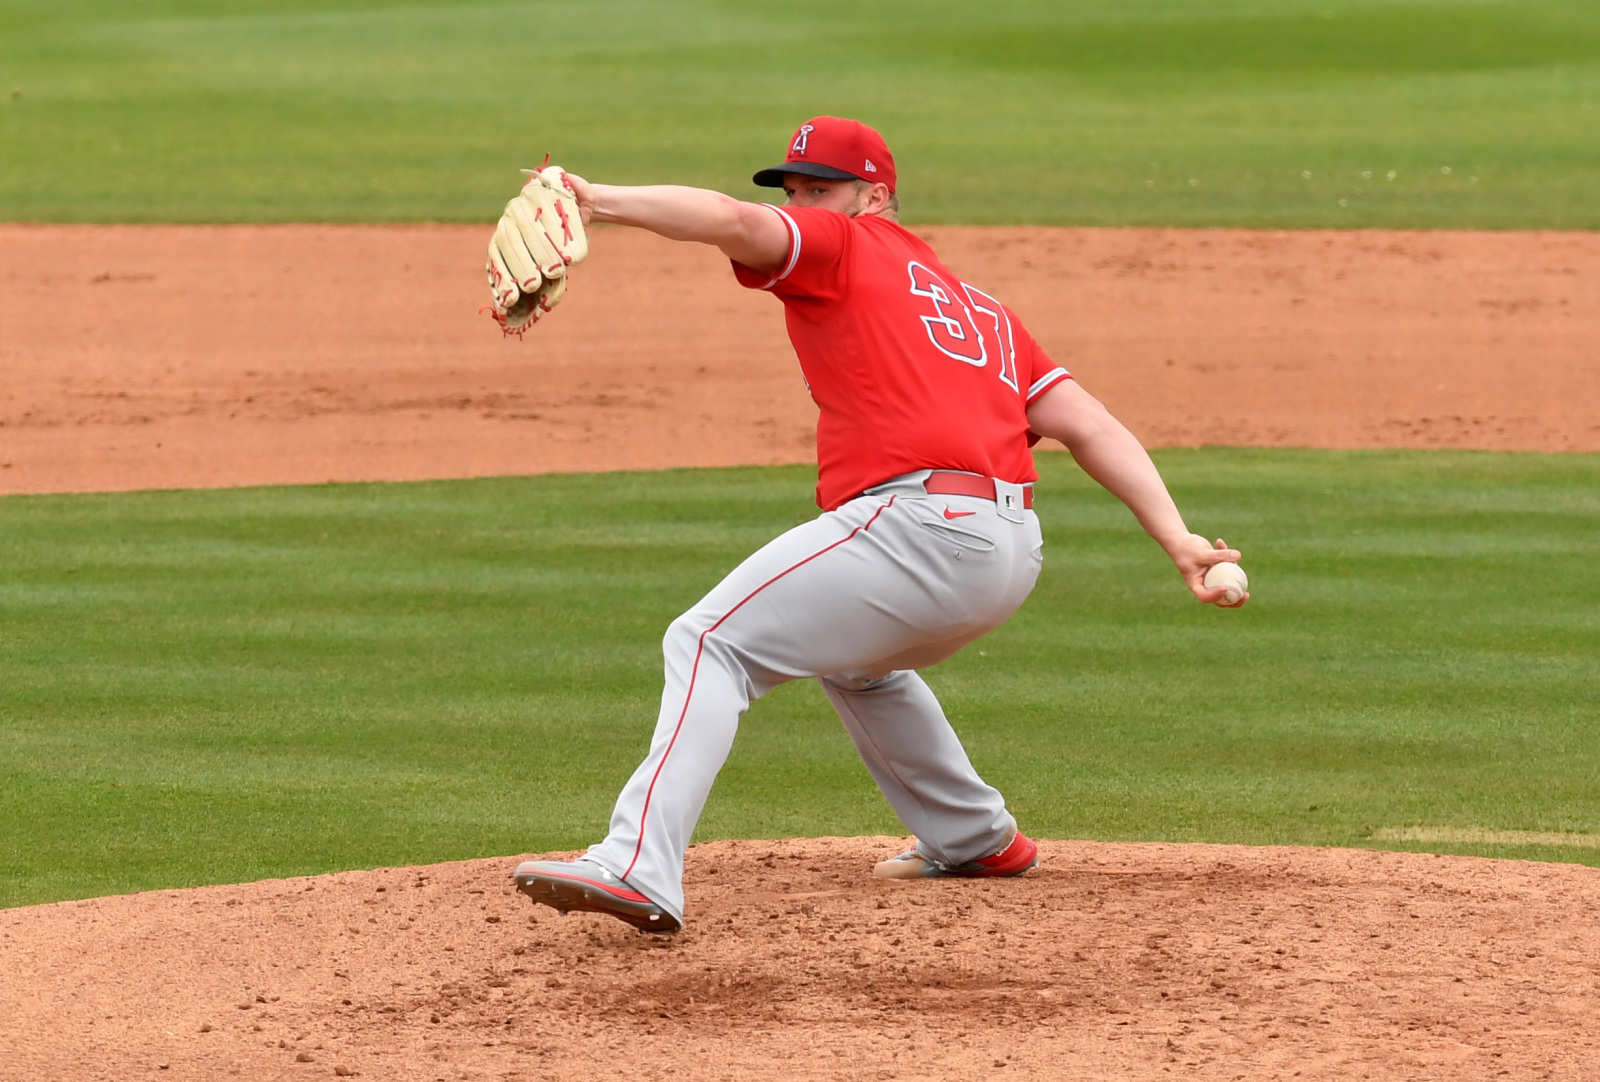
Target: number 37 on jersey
[{"x": 965, "y": 324}]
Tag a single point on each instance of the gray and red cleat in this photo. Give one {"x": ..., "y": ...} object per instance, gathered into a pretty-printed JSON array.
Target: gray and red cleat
[
  {"x": 1015, "y": 857},
  {"x": 586, "y": 886}
]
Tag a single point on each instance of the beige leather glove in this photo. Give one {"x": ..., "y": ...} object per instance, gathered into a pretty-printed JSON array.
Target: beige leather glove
[{"x": 538, "y": 237}]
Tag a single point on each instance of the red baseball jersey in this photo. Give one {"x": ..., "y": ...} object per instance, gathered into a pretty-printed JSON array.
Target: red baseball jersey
[{"x": 911, "y": 367}]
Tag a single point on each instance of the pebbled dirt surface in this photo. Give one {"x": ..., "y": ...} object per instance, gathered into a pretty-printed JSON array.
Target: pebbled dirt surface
[
  {"x": 160, "y": 356},
  {"x": 1107, "y": 962}
]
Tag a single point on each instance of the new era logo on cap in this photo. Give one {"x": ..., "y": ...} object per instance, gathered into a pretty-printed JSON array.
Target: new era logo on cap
[{"x": 836, "y": 148}]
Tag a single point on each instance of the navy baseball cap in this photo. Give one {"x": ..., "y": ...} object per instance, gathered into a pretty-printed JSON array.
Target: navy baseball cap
[{"x": 836, "y": 149}]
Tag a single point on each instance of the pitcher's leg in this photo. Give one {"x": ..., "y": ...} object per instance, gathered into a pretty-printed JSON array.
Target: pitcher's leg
[
  {"x": 738, "y": 642},
  {"x": 903, "y": 736},
  {"x": 866, "y": 590},
  {"x": 706, "y": 693}
]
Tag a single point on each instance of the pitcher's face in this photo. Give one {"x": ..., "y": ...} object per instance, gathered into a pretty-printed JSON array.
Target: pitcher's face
[{"x": 845, "y": 196}]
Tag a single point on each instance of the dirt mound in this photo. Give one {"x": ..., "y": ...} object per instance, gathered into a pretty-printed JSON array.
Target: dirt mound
[{"x": 1108, "y": 962}]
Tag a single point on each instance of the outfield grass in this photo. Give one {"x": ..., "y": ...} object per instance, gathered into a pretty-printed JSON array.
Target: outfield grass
[
  {"x": 1336, "y": 113},
  {"x": 221, "y": 686}
]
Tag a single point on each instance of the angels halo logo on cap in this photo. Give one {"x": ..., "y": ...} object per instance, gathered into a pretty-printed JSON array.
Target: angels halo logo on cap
[{"x": 834, "y": 148}]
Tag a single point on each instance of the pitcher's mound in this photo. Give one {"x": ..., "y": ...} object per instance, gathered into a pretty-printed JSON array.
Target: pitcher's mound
[{"x": 1107, "y": 962}]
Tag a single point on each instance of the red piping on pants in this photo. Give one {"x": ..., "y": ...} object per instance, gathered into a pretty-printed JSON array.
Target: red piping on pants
[{"x": 695, "y": 671}]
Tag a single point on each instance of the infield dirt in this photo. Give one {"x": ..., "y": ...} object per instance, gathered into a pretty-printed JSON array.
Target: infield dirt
[
  {"x": 136, "y": 357},
  {"x": 171, "y": 357}
]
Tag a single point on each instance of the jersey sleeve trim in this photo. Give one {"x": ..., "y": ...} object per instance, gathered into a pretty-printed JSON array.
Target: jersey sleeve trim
[
  {"x": 1047, "y": 381},
  {"x": 794, "y": 247}
]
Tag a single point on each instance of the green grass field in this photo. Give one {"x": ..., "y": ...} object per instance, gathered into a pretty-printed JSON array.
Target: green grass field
[
  {"x": 221, "y": 686},
  {"x": 1328, "y": 113},
  {"x": 205, "y": 687}
]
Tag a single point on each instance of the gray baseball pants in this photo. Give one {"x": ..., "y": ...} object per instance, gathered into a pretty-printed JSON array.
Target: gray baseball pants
[{"x": 859, "y": 598}]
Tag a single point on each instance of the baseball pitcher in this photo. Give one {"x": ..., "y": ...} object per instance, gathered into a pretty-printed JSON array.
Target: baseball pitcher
[{"x": 931, "y": 393}]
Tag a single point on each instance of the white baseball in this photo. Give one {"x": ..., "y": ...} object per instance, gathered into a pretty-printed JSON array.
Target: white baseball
[{"x": 1230, "y": 577}]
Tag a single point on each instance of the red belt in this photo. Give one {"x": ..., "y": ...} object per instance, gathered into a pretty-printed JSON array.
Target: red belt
[{"x": 952, "y": 483}]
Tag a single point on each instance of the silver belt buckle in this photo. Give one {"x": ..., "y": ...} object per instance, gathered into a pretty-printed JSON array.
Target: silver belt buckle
[{"x": 1008, "y": 499}]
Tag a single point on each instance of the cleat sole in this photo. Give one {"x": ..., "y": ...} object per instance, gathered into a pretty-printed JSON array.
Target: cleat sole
[{"x": 568, "y": 895}]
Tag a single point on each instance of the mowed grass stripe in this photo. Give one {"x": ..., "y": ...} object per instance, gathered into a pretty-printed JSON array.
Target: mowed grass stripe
[
  {"x": 222, "y": 686},
  {"x": 1479, "y": 836},
  {"x": 1297, "y": 113}
]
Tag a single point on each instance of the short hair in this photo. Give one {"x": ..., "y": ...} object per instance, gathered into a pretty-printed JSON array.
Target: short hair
[{"x": 862, "y": 185}]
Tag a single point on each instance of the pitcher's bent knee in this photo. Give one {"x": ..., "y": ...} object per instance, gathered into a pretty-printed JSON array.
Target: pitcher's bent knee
[
  {"x": 683, "y": 638},
  {"x": 857, "y": 682}
]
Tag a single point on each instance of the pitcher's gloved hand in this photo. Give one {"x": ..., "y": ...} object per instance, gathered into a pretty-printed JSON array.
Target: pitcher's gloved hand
[{"x": 539, "y": 237}]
